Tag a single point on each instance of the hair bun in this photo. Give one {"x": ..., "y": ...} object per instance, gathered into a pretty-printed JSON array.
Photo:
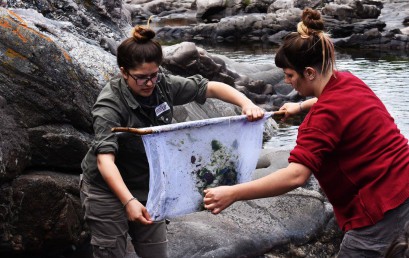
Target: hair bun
[
  {"x": 142, "y": 34},
  {"x": 312, "y": 19}
]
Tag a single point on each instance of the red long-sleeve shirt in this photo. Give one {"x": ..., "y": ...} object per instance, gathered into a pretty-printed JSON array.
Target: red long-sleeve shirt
[{"x": 356, "y": 152}]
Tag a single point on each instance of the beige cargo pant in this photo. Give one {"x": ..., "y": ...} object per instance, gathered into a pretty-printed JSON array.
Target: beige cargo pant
[{"x": 110, "y": 227}]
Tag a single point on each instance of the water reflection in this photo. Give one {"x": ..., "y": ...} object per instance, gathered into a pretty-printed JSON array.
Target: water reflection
[{"x": 385, "y": 73}]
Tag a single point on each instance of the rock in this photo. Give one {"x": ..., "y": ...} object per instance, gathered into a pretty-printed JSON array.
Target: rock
[
  {"x": 339, "y": 12},
  {"x": 56, "y": 56},
  {"x": 366, "y": 11},
  {"x": 42, "y": 214},
  {"x": 278, "y": 37},
  {"x": 36, "y": 91},
  {"x": 270, "y": 161},
  {"x": 14, "y": 146},
  {"x": 281, "y": 4},
  {"x": 58, "y": 146},
  {"x": 307, "y": 3},
  {"x": 214, "y": 10},
  {"x": 252, "y": 79},
  {"x": 394, "y": 13}
]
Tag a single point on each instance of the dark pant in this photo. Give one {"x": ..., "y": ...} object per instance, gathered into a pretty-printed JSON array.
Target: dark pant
[
  {"x": 373, "y": 241},
  {"x": 110, "y": 227}
]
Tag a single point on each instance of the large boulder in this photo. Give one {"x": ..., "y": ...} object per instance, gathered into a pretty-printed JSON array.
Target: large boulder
[
  {"x": 41, "y": 86},
  {"x": 41, "y": 213},
  {"x": 14, "y": 147}
]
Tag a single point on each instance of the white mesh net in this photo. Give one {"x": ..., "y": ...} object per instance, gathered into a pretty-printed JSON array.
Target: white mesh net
[{"x": 186, "y": 158}]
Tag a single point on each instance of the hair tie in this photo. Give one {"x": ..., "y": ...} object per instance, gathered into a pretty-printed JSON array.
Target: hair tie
[
  {"x": 149, "y": 20},
  {"x": 303, "y": 30}
]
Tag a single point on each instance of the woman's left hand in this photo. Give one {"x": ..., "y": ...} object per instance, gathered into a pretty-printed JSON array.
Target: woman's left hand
[{"x": 218, "y": 199}]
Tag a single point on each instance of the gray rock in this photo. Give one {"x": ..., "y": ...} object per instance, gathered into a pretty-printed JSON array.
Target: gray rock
[
  {"x": 14, "y": 147},
  {"x": 41, "y": 213},
  {"x": 58, "y": 146},
  {"x": 394, "y": 13},
  {"x": 52, "y": 69},
  {"x": 308, "y": 3},
  {"x": 36, "y": 91}
]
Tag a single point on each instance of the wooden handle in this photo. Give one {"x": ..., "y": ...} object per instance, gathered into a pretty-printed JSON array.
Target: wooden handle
[
  {"x": 279, "y": 113},
  {"x": 145, "y": 131},
  {"x": 132, "y": 130}
]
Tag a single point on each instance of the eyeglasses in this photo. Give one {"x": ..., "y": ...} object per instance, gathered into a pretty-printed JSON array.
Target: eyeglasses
[{"x": 142, "y": 81}]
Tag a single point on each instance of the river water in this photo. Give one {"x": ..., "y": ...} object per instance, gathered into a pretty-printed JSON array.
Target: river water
[{"x": 387, "y": 75}]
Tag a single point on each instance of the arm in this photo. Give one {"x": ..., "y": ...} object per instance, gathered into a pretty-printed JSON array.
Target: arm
[
  {"x": 109, "y": 171},
  {"x": 295, "y": 108},
  {"x": 229, "y": 94},
  {"x": 277, "y": 183}
]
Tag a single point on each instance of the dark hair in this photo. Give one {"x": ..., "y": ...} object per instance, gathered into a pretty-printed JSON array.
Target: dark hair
[
  {"x": 139, "y": 48},
  {"x": 399, "y": 248},
  {"x": 308, "y": 47}
]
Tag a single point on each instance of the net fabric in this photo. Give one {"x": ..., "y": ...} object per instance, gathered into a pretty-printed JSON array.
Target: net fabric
[{"x": 186, "y": 158}]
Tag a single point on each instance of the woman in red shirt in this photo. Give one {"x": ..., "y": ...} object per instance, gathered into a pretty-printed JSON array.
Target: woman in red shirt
[{"x": 348, "y": 140}]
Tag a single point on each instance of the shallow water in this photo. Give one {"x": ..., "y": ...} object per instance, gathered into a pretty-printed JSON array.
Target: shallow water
[{"x": 387, "y": 75}]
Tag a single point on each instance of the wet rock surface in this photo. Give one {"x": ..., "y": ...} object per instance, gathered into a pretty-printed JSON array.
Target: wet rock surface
[{"x": 55, "y": 56}]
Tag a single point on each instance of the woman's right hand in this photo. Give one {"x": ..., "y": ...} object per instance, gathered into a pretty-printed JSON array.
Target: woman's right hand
[
  {"x": 290, "y": 110},
  {"x": 138, "y": 213},
  {"x": 295, "y": 108}
]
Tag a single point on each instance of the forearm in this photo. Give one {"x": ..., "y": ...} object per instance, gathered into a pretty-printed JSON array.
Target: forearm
[
  {"x": 134, "y": 209},
  {"x": 226, "y": 93},
  {"x": 113, "y": 178},
  {"x": 307, "y": 104},
  {"x": 274, "y": 184},
  {"x": 293, "y": 108},
  {"x": 279, "y": 182}
]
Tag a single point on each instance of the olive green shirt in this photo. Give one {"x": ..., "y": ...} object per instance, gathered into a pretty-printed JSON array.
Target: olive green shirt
[{"x": 116, "y": 106}]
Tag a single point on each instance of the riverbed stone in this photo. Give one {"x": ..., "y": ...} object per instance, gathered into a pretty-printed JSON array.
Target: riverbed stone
[
  {"x": 56, "y": 56},
  {"x": 43, "y": 212}
]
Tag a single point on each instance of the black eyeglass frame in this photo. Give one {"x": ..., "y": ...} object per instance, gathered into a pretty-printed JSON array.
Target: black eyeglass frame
[{"x": 153, "y": 79}]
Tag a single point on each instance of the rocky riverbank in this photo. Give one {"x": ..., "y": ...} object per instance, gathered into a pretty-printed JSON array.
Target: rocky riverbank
[
  {"x": 352, "y": 24},
  {"x": 56, "y": 55}
]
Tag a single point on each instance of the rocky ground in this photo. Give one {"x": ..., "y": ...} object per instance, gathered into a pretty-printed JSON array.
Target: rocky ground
[{"x": 56, "y": 56}]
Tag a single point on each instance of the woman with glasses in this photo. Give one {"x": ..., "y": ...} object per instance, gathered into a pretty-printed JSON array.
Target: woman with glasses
[
  {"x": 348, "y": 141},
  {"x": 114, "y": 186}
]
